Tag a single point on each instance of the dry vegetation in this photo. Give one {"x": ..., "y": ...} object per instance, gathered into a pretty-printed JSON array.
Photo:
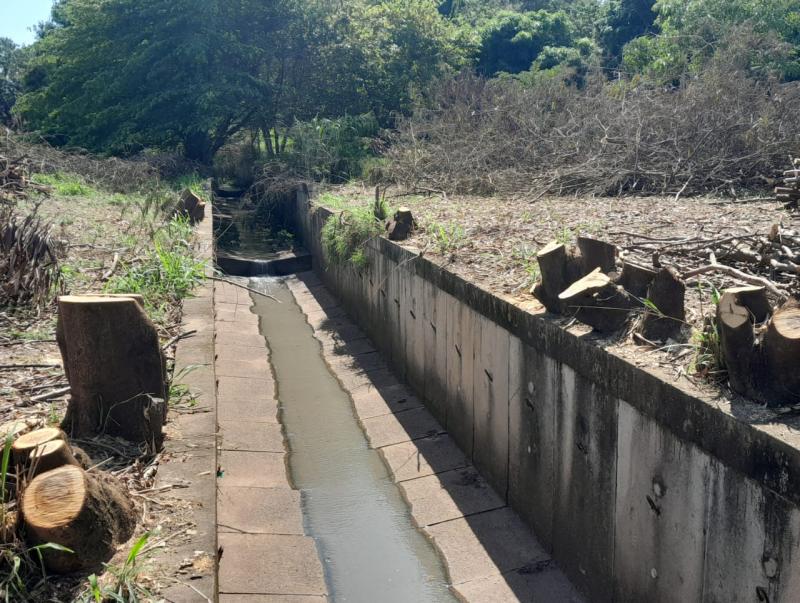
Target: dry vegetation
[
  {"x": 80, "y": 224},
  {"x": 720, "y": 132}
]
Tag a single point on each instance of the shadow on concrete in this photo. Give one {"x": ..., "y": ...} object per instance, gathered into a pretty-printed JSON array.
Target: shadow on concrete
[{"x": 490, "y": 553}]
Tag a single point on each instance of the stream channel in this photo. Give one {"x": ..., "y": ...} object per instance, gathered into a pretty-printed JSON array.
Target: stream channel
[{"x": 370, "y": 548}]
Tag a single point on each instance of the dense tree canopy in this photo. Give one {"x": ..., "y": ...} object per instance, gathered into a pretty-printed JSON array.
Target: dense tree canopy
[{"x": 119, "y": 76}]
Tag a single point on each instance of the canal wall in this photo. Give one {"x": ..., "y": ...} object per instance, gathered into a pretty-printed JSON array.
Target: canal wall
[{"x": 640, "y": 489}]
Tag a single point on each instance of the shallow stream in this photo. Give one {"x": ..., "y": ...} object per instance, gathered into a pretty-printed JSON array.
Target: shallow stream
[{"x": 371, "y": 551}]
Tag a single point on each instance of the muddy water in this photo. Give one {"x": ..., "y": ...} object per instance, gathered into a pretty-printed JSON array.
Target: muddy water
[{"x": 370, "y": 549}]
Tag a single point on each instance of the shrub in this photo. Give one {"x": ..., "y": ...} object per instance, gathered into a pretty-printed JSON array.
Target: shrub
[{"x": 345, "y": 235}]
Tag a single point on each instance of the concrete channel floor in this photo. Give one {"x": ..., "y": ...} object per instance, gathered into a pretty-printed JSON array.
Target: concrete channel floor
[{"x": 490, "y": 555}]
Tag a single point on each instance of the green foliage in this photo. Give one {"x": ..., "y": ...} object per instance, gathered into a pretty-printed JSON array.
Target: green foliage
[
  {"x": 331, "y": 150},
  {"x": 11, "y": 62},
  {"x": 120, "y": 584},
  {"x": 168, "y": 271},
  {"x": 512, "y": 41},
  {"x": 66, "y": 185},
  {"x": 757, "y": 36},
  {"x": 448, "y": 238},
  {"x": 625, "y": 20},
  {"x": 345, "y": 235}
]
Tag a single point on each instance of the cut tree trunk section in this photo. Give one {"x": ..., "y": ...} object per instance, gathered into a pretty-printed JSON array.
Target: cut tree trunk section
[
  {"x": 597, "y": 254},
  {"x": 737, "y": 340},
  {"x": 666, "y": 293},
  {"x": 598, "y": 302},
  {"x": 636, "y": 279},
  {"x": 781, "y": 347},
  {"x": 90, "y": 514},
  {"x": 401, "y": 225},
  {"x": 24, "y": 445},
  {"x": 115, "y": 368},
  {"x": 559, "y": 266}
]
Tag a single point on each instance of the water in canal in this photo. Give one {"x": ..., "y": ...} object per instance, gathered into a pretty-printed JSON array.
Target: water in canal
[{"x": 370, "y": 548}]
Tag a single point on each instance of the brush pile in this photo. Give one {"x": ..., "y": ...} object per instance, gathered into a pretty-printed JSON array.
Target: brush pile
[
  {"x": 789, "y": 193},
  {"x": 14, "y": 180}
]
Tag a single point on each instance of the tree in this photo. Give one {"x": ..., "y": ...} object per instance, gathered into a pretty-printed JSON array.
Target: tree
[
  {"x": 624, "y": 21},
  {"x": 511, "y": 42},
  {"x": 10, "y": 67}
]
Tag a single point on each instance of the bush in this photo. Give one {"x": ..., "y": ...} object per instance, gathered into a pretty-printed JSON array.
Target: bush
[
  {"x": 717, "y": 130},
  {"x": 345, "y": 235}
]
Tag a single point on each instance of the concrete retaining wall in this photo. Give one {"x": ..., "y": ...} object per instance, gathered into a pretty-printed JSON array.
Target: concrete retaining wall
[{"x": 640, "y": 490}]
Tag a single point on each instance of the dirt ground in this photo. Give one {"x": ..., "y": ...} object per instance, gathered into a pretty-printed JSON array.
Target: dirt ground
[
  {"x": 493, "y": 241},
  {"x": 94, "y": 228}
]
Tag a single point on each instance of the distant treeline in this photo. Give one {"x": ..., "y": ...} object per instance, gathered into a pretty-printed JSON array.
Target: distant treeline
[{"x": 124, "y": 76}]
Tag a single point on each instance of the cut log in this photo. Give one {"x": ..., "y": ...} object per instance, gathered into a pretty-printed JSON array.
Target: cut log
[
  {"x": 192, "y": 206},
  {"x": 597, "y": 254},
  {"x": 666, "y": 293},
  {"x": 24, "y": 445},
  {"x": 90, "y": 514},
  {"x": 559, "y": 266},
  {"x": 754, "y": 299},
  {"x": 737, "y": 340},
  {"x": 598, "y": 302},
  {"x": 781, "y": 347},
  {"x": 115, "y": 369},
  {"x": 636, "y": 279},
  {"x": 49, "y": 456},
  {"x": 401, "y": 225}
]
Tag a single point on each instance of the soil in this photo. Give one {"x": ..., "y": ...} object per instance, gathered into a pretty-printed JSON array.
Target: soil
[{"x": 93, "y": 229}]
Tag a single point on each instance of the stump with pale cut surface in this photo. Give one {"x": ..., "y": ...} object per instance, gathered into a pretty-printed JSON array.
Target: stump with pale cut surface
[
  {"x": 90, "y": 514},
  {"x": 115, "y": 368}
]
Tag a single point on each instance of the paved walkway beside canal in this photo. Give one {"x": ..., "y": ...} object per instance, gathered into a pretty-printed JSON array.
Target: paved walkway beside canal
[{"x": 490, "y": 555}]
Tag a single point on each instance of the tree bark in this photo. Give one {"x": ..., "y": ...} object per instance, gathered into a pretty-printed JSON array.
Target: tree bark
[
  {"x": 666, "y": 293},
  {"x": 90, "y": 514},
  {"x": 737, "y": 341},
  {"x": 115, "y": 369},
  {"x": 401, "y": 225},
  {"x": 559, "y": 267},
  {"x": 597, "y": 254},
  {"x": 598, "y": 302},
  {"x": 781, "y": 347},
  {"x": 636, "y": 279}
]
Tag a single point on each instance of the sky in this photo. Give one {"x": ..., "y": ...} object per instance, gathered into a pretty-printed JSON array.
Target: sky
[{"x": 17, "y": 16}]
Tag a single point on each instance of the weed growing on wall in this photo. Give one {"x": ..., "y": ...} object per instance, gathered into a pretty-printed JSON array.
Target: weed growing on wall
[{"x": 345, "y": 235}]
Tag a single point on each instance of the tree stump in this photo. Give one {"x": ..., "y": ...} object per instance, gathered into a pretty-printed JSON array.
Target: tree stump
[
  {"x": 49, "y": 456},
  {"x": 115, "y": 368},
  {"x": 781, "y": 346},
  {"x": 597, "y": 254},
  {"x": 598, "y": 302},
  {"x": 24, "y": 445},
  {"x": 737, "y": 340},
  {"x": 636, "y": 279},
  {"x": 559, "y": 266},
  {"x": 666, "y": 293},
  {"x": 192, "y": 206},
  {"x": 754, "y": 299},
  {"x": 91, "y": 514},
  {"x": 401, "y": 225}
]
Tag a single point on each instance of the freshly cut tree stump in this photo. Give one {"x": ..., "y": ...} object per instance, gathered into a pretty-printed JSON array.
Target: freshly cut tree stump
[
  {"x": 737, "y": 341},
  {"x": 754, "y": 299},
  {"x": 597, "y": 254},
  {"x": 401, "y": 225},
  {"x": 88, "y": 513},
  {"x": 115, "y": 369},
  {"x": 192, "y": 206},
  {"x": 559, "y": 266},
  {"x": 49, "y": 456},
  {"x": 781, "y": 346},
  {"x": 598, "y": 302},
  {"x": 666, "y": 293},
  {"x": 24, "y": 445},
  {"x": 636, "y": 279}
]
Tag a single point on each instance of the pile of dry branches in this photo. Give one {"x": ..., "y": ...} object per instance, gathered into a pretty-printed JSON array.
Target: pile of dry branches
[
  {"x": 112, "y": 173},
  {"x": 14, "y": 180},
  {"x": 718, "y": 132}
]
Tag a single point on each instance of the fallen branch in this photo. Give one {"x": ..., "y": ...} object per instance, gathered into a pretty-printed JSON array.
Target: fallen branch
[
  {"x": 751, "y": 279},
  {"x": 50, "y": 395},
  {"x": 224, "y": 280},
  {"x": 108, "y": 273},
  {"x": 177, "y": 338}
]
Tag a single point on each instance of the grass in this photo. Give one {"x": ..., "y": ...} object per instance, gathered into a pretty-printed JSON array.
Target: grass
[
  {"x": 120, "y": 584},
  {"x": 345, "y": 236},
  {"x": 526, "y": 255},
  {"x": 166, "y": 273},
  {"x": 65, "y": 185},
  {"x": 448, "y": 238},
  {"x": 708, "y": 361}
]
